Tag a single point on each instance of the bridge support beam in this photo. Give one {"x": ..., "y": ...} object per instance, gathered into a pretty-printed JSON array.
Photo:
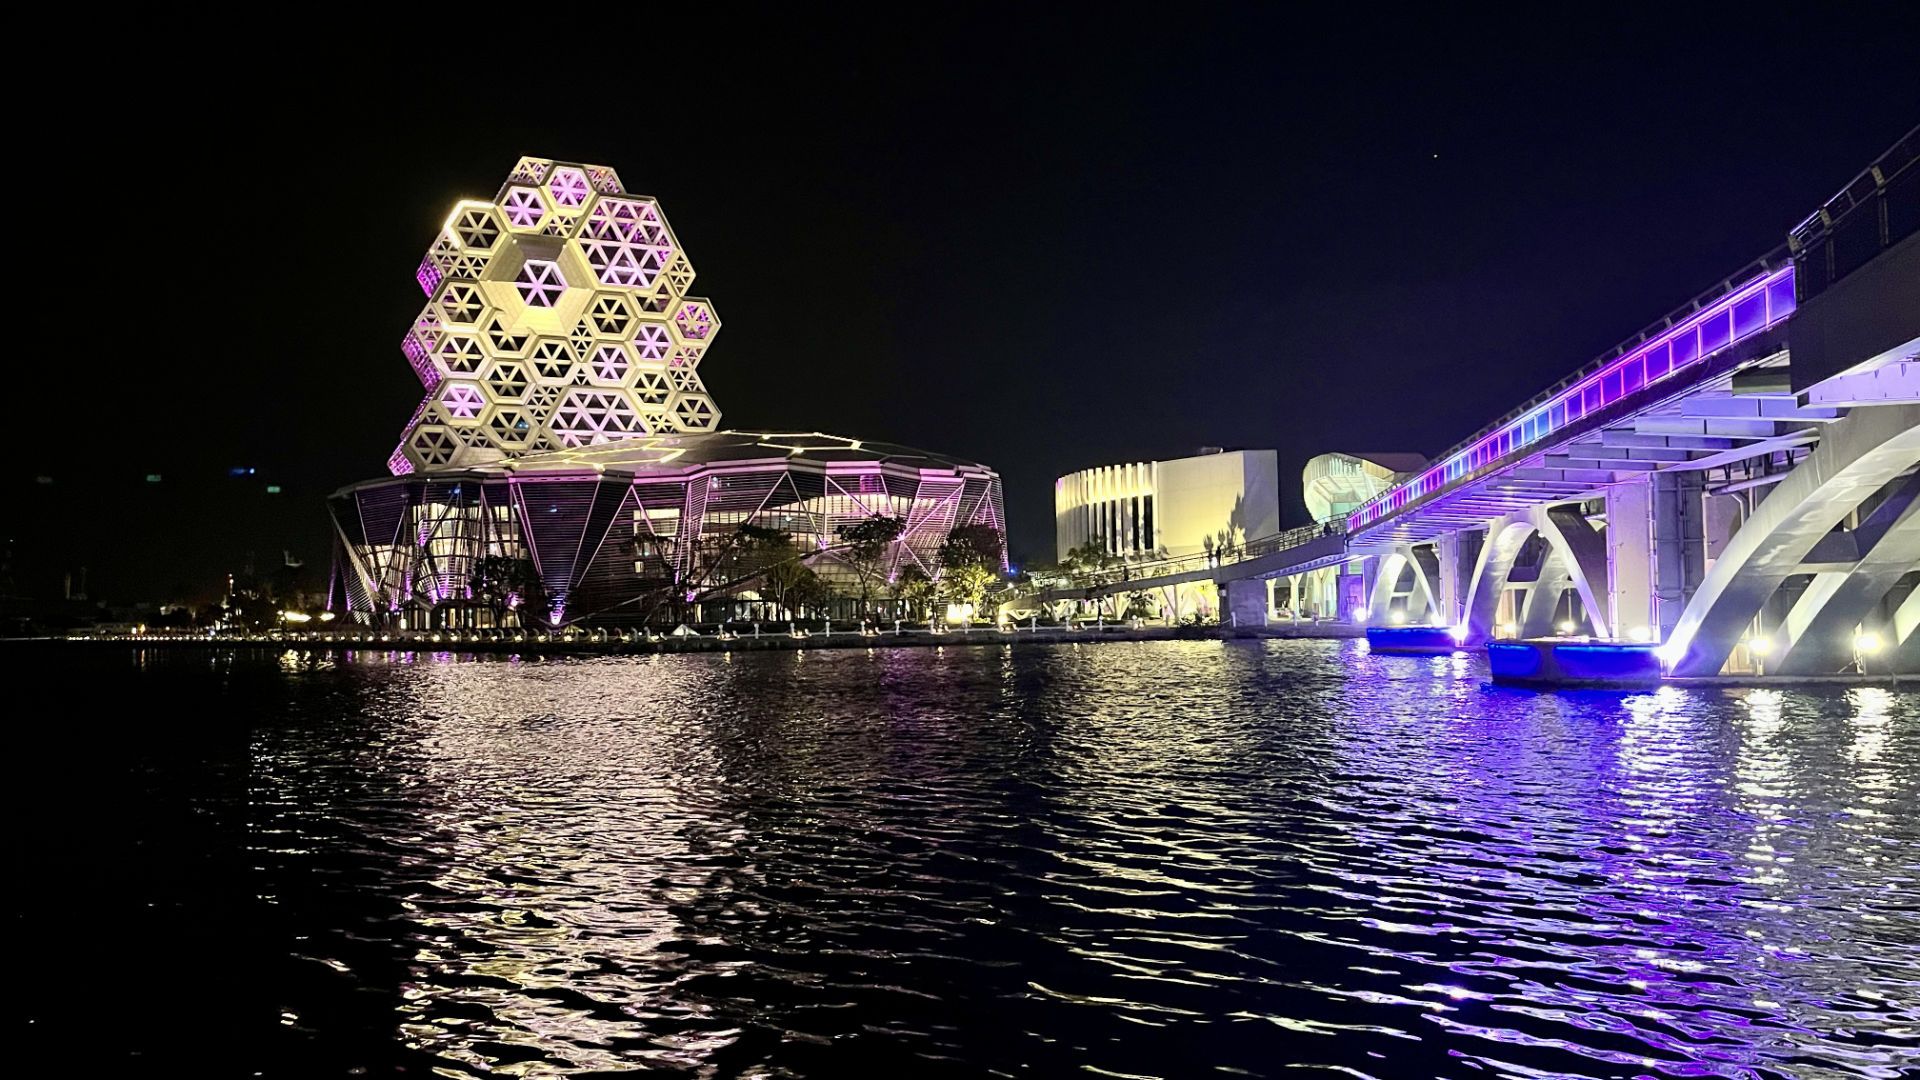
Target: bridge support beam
[
  {"x": 1818, "y": 632},
  {"x": 1630, "y": 599},
  {"x": 1857, "y": 456}
]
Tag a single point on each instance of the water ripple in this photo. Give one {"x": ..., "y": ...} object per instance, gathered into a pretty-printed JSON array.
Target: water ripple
[{"x": 1149, "y": 860}]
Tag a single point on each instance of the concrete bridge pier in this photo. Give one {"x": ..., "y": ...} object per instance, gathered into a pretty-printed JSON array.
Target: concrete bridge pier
[
  {"x": 1245, "y": 603},
  {"x": 1629, "y": 543}
]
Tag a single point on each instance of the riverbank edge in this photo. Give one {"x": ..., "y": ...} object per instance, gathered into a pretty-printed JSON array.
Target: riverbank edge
[
  {"x": 712, "y": 643},
  {"x": 912, "y": 639}
]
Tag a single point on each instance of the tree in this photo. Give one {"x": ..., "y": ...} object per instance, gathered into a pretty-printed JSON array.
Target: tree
[
  {"x": 866, "y": 545},
  {"x": 1141, "y": 604},
  {"x": 808, "y": 591},
  {"x": 970, "y": 562},
  {"x": 1086, "y": 562},
  {"x": 773, "y": 557},
  {"x": 913, "y": 587},
  {"x": 508, "y": 584}
]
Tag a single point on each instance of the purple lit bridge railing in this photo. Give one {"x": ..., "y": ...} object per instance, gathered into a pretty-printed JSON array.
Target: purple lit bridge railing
[{"x": 1756, "y": 300}]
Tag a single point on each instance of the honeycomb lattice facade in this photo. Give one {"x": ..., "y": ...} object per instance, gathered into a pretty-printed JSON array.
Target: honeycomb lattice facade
[{"x": 557, "y": 317}]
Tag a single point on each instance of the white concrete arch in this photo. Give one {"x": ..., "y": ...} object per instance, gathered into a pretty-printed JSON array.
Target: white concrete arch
[
  {"x": 1906, "y": 634},
  {"x": 1583, "y": 552},
  {"x": 1857, "y": 456},
  {"x": 1505, "y": 538},
  {"x": 1576, "y": 558},
  {"x": 1817, "y": 636},
  {"x": 1421, "y": 602}
]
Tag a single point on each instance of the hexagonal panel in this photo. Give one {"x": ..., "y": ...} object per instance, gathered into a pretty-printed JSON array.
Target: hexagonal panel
[
  {"x": 610, "y": 315},
  {"x": 651, "y": 388},
  {"x": 695, "y": 320},
  {"x": 461, "y": 401},
  {"x": 539, "y": 282},
  {"x": 525, "y": 207},
  {"x": 569, "y": 187},
  {"x": 625, "y": 241},
  {"x": 509, "y": 427},
  {"x": 477, "y": 227},
  {"x": 432, "y": 446},
  {"x": 652, "y": 342},
  {"x": 460, "y": 353},
  {"x": 553, "y": 361},
  {"x": 695, "y": 412},
  {"x": 508, "y": 380},
  {"x": 609, "y": 363},
  {"x": 460, "y": 303}
]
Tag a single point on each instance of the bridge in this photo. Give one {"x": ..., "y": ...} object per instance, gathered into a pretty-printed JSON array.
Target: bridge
[{"x": 1732, "y": 489}]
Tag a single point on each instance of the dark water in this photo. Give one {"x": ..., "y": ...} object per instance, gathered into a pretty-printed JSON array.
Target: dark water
[{"x": 1167, "y": 859}]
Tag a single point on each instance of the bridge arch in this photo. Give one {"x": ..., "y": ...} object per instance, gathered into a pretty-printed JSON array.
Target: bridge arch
[
  {"x": 1576, "y": 558},
  {"x": 1858, "y": 455},
  {"x": 1816, "y": 637},
  {"x": 1422, "y": 602}
]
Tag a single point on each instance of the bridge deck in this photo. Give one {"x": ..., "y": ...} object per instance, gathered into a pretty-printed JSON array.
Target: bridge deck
[{"x": 1587, "y": 431}]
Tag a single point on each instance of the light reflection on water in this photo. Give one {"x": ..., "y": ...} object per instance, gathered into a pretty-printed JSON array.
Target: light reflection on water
[{"x": 1154, "y": 859}]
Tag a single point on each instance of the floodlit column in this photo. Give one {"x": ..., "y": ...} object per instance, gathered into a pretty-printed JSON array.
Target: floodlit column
[
  {"x": 1630, "y": 599},
  {"x": 1451, "y": 593}
]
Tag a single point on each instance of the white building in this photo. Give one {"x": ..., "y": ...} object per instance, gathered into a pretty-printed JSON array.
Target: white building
[
  {"x": 1335, "y": 485},
  {"x": 1169, "y": 508}
]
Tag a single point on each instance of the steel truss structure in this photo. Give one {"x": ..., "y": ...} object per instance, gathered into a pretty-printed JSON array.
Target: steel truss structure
[
  {"x": 609, "y": 527},
  {"x": 557, "y": 316}
]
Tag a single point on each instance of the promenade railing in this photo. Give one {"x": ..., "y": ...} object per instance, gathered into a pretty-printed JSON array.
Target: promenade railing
[{"x": 1225, "y": 555}]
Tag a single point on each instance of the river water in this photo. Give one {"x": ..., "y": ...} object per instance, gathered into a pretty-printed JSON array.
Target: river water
[{"x": 1165, "y": 859}]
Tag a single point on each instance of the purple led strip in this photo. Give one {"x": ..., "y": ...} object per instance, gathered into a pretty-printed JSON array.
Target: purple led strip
[{"x": 1749, "y": 309}]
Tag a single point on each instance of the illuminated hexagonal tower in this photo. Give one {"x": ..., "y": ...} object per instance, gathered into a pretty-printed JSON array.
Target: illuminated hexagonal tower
[{"x": 557, "y": 317}]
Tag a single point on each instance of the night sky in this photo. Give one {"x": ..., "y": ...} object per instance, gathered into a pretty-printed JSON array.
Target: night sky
[{"x": 1042, "y": 243}]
